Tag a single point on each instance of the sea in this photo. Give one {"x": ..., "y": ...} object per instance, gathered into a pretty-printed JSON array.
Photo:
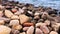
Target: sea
[{"x": 46, "y": 3}]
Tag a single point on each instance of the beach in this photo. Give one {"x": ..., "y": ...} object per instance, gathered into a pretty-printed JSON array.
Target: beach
[{"x": 26, "y": 18}]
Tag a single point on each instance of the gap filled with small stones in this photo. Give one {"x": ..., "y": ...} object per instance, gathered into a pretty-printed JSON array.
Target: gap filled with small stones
[{"x": 20, "y": 18}]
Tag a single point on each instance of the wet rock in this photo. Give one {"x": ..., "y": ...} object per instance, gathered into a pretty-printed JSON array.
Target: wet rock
[
  {"x": 30, "y": 30},
  {"x": 2, "y": 22},
  {"x": 8, "y": 13},
  {"x": 25, "y": 28},
  {"x": 15, "y": 17},
  {"x": 14, "y": 22},
  {"x": 17, "y": 27},
  {"x": 23, "y": 18},
  {"x": 4, "y": 29},
  {"x": 38, "y": 31},
  {"x": 53, "y": 32},
  {"x": 44, "y": 29}
]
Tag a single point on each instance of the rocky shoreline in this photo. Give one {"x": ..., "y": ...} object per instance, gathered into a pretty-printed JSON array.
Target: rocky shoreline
[{"x": 20, "y": 18}]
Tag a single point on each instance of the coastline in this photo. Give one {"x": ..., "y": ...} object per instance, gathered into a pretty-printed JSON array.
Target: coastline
[{"x": 21, "y": 18}]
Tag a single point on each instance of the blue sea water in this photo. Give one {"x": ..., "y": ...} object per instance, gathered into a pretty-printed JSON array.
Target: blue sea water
[{"x": 46, "y": 3}]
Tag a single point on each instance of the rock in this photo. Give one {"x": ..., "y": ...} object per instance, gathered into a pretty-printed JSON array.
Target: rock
[
  {"x": 21, "y": 10},
  {"x": 31, "y": 13},
  {"x": 17, "y": 27},
  {"x": 14, "y": 22},
  {"x": 1, "y": 13},
  {"x": 36, "y": 17},
  {"x": 23, "y": 18},
  {"x": 5, "y": 19},
  {"x": 25, "y": 28},
  {"x": 4, "y": 29},
  {"x": 28, "y": 24},
  {"x": 24, "y": 8},
  {"x": 14, "y": 17},
  {"x": 40, "y": 20},
  {"x": 23, "y": 33},
  {"x": 47, "y": 22},
  {"x": 38, "y": 31},
  {"x": 58, "y": 18},
  {"x": 16, "y": 7},
  {"x": 8, "y": 13},
  {"x": 2, "y": 22},
  {"x": 53, "y": 32},
  {"x": 30, "y": 30},
  {"x": 36, "y": 13},
  {"x": 14, "y": 10},
  {"x": 14, "y": 31},
  {"x": 53, "y": 15},
  {"x": 17, "y": 13},
  {"x": 44, "y": 15},
  {"x": 56, "y": 26},
  {"x": 1, "y": 7},
  {"x": 44, "y": 29},
  {"x": 40, "y": 24},
  {"x": 7, "y": 7}
]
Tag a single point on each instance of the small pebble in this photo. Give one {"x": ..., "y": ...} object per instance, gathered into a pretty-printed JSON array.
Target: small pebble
[
  {"x": 53, "y": 32},
  {"x": 23, "y": 18},
  {"x": 47, "y": 22},
  {"x": 40, "y": 24},
  {"x": 21, "y": 10},
  {"x": 17, "y": 27},
  {"x": 1, "y": 13},
  {"x": 4, "y": 29},
  {"x": 38, "y": 31},
  {"x": 8, "y": 13},
  {"x": 14, "y": 22},
  {"x": 25, "y": 28},
  {"x": 30, "y": 30},
  {"x": 17, "y": 13},
  {"x": 36, "y": 13},
  {"x": 2, "y": 22},
  {"x": 44, "y": 29},
  {"x": 14, "y": 10},
  {"x": 14, "y": 17},
  {"x": 28, "y": 24}
]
